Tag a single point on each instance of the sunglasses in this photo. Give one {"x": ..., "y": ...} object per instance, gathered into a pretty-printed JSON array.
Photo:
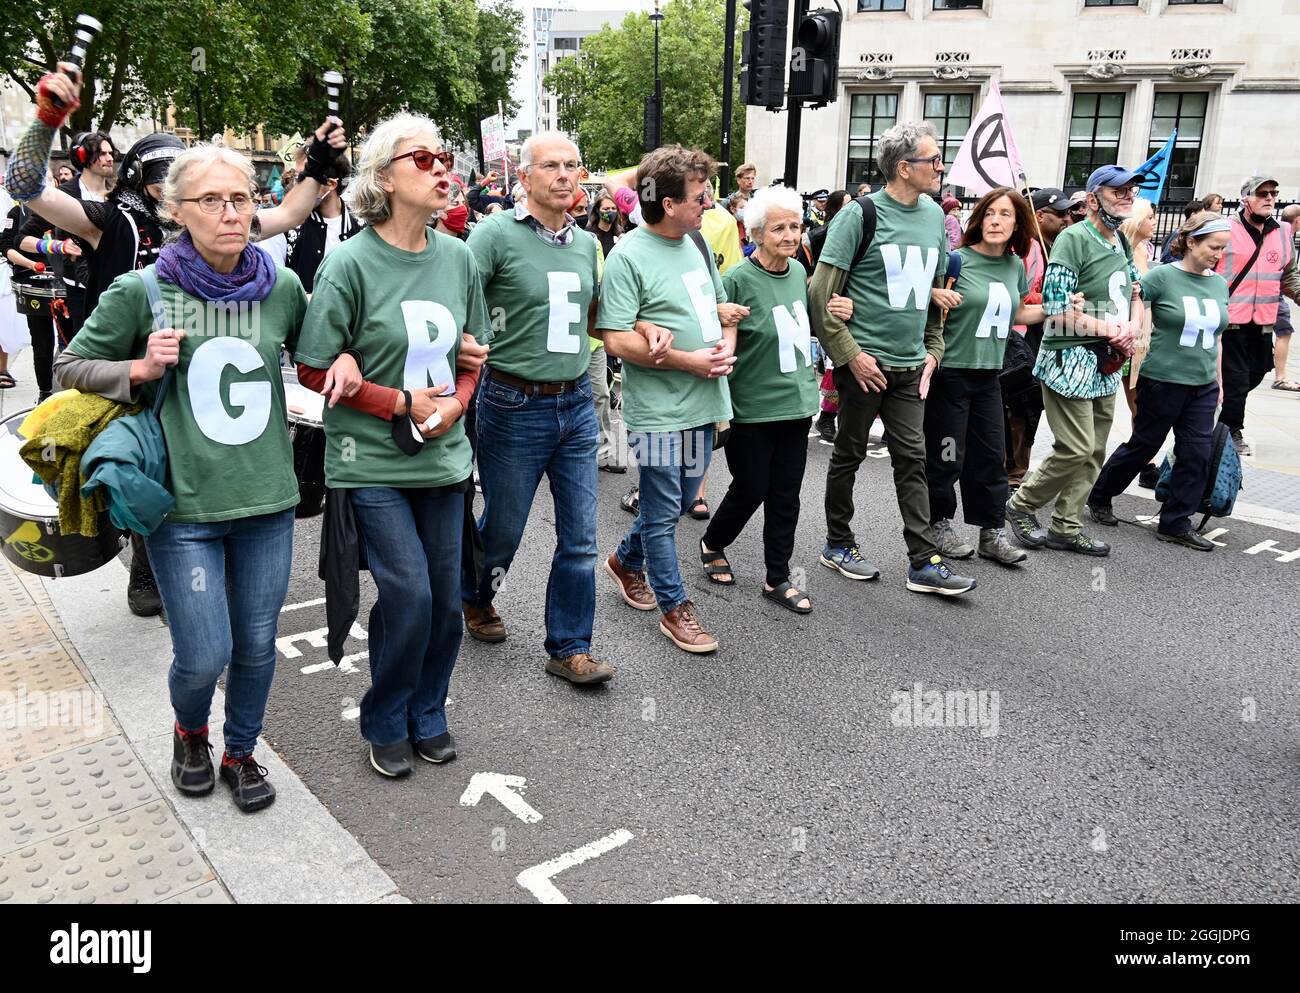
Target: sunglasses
[
  {"x": 424, "y": 159},
  {"x": 1268, "y": 194}
]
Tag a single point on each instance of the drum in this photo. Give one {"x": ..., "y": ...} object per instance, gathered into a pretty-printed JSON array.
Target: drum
[
  {"x": 307, "y": 433},
  {"x": 29, "y": 519},
  {"x": 36, "y": 296}
]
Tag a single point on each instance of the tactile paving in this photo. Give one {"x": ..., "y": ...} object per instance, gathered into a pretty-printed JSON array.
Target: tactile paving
[
  {"x": 207, "y": 893},
  {"x": 27, "y": 734},
  {"x": 60, "y": 793},
  {"x": 24, "y": 629},
  {"x": 141, "y": 856},
  {"x": 43, "y": 667}
]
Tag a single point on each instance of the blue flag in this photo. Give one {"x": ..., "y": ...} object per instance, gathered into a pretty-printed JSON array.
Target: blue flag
[{"x": 1156, "y": 168}]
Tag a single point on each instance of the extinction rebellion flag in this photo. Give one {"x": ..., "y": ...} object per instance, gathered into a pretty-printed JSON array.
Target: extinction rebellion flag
[{"x": 988, "y": 157}]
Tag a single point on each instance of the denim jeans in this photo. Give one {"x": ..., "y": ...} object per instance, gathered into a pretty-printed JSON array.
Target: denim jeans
[
  {"x": 412, "y": 541},
  {"x": 522, "y": 438},
  {"x": 223, "y": 585},
  {"x": 672, "y": 463}
]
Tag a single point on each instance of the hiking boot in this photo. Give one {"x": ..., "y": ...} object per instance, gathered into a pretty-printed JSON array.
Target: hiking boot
[
  {"x": 936, "y": 577},
  {"x": 948, "y": 541},
  {"x": 1103, "y": 513},
  {"x": 636, "y": 594},
  {"x": 994, "y": 545},
  {"x": 1025, "y": 528},
  {"x": 581, "y": 669},
  {"x": 1188, "y": 539},
  {"x": 826, "y": 427},
  {"x": 438, "y": 749},
  {"x": 192, "y": 762},
  {"x": 392, "y": 761},
  {"x": 141, "y": 590},
  {"x": 1077, "y": 542},
  {"x": 849, "y": 563},
  {"x": 1240, "y": 444},
  {"x": 484, "y": 623},
  {"x": 1149, "y": 476},
  {"x": 683, "y": 628},
  {"x": 247, "y": 781}
]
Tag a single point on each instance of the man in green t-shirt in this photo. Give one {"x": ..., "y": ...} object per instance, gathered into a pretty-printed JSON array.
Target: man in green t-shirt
[
  {"x": 1090, "y": 258},
  {"x": 536, "y": 415},
  {"x": 663, "y": 278},
  {"x": 883, "y": 357}
]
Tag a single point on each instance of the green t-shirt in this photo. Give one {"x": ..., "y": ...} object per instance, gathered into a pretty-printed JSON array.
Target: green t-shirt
[
  {"x": 668, "y": 283},
  {"x": 1103, "y": 277},
  {"x": 1188, "y": 313},
  {"x": 890, "y": 288},
  {"x": 538, "y": 296},
  {"x": 991, "y": 288},
  {"x": 404, "y": 312},
  {"x": 773, "y": 379},
  {"x": 224, "y": 419}
]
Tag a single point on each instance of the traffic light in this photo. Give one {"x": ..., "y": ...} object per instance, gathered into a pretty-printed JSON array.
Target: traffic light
[
  {"x": 762, "y": 54},
  {"x": 814, "y": 64}
]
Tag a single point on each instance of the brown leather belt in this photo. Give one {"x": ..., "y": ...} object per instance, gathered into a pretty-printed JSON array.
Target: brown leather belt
[{"x": 535, "y": 389}]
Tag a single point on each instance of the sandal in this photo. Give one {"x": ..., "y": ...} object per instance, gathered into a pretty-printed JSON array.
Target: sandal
[
  {"x": 781, "y": 594},
  {"x": 699, "y": 509},
  {"x": 7, "y": 382},
  {"x": 1287, "y": 385},
  {"x": 631, "y": 502},
  {"x": 715, "y": 565}
]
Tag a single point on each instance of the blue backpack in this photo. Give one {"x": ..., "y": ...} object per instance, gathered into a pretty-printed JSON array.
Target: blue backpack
[{"x": 1223, "y": 482}]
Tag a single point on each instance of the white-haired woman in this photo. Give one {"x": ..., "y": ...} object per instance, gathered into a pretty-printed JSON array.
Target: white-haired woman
[
  {"x": 403, "y": 298},
  {"x": 222, "y": 556},
  {"x": 774, "y": 395}
]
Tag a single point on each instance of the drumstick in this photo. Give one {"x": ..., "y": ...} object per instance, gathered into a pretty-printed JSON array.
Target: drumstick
[{"x": 87, "y": 30}]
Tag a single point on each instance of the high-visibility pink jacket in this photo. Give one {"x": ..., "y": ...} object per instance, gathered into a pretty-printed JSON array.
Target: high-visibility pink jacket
[{"x": 1256, "y": 299}]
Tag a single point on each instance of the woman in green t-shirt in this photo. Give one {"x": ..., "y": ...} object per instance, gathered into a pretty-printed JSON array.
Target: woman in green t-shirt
[
  {"x": 1180, "y": 382},
  {"x": 773, "y": 397},
  {"x": 403, "y": 297},
  {"x": 965, "y": 440},
  {"x": 223, "y": 555}
]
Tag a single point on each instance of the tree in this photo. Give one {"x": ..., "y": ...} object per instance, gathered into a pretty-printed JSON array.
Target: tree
[{"x": 602, "y": 90}]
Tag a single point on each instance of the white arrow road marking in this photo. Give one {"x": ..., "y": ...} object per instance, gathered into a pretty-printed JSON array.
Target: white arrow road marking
[
  {"x": 537, "y": 880},
  {"x": 317, "y": 639},
  {"x": 1216, "y": 533},
  {"x": 502, "y": 787},
  {"x": 299, "y": 606},
  {"x": 345, "y": 664}
]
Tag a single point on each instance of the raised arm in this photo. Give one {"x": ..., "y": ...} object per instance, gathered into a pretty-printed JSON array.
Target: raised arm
[{"x": 299, "y": 201}]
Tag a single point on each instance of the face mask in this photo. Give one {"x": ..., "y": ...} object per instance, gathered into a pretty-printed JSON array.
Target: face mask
[
  {"x": 1107, "y": 218},
  {"x": 608, "y": 216}
]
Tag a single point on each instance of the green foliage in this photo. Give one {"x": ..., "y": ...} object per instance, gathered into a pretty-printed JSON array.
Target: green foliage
[{"x": 602, "y": 91}]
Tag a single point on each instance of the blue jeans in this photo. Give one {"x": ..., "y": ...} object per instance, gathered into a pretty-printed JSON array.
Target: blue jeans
[
  {"x": 412, "y": 541},
  {"x": 521, "y": 438},
  {"x": 672, "y": 463},
  {"x": 223, "y": 585}
]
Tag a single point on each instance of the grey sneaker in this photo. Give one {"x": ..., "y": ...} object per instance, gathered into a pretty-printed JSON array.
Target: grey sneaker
[
  {"x": 1240, "y": 444},
  {"x": 994, "y": 545},
  {"x": 848, "y": 562},
  {"x": 936, "y": 577},
  {"x": 1025, "y": 528},
  {"x": 1077, "y": 542},
  {"x": 948, "y": 541}
]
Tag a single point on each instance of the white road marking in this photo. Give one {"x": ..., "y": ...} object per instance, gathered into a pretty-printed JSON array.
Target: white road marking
[
  {"x": 537, "y": 879},
  {"x": 1270, "y": 546},
  {"x": 686, "y": 898},
  {"x": 345, "y": 664},
  {"x": 351, "y": 714},
  {"x": 502, "y": 787},
  {"x": 1216, "y": 533},
  {"x": 299, "y": 606},
  {"x": 316, "y": 639}
]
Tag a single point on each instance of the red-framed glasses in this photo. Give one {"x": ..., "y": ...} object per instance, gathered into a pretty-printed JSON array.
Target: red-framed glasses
[{"x": 424, "y": 159}]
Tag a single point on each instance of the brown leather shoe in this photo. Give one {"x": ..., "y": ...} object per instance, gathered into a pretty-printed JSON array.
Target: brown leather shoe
[
  {"x": 581, "y": 669},
  {"x": 683, "y": 628},
  {"x": 484, "y": 623},
  {"x": 636, "y": 594}
]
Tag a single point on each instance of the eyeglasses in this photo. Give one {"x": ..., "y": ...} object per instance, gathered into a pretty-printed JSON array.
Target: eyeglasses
[
  {"x": 1126, "y": 192},
  {"x": 1268, "y": 194},
  {"x": 424, "y": 159},
  {"x": 213, "y": 204},
  {"x": 550, "y": 165},
  {"x": 936, "y": 161}
]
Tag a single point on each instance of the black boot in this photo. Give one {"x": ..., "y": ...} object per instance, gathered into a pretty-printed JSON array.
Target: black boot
[
  {"x": 141, "y": 590},
  {"x": 826, "y": 426}
]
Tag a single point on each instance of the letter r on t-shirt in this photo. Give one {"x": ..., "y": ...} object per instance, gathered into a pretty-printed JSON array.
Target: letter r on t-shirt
[
  {"x": 1199, "y": 323},
  {"x": 910, "y": 276},
  {"x": 426, "y": 357}
]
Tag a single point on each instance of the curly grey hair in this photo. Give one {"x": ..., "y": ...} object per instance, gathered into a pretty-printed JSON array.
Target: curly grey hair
[
  {"x": 900, "y": 142},
  {"x": 366, "y": 196}
]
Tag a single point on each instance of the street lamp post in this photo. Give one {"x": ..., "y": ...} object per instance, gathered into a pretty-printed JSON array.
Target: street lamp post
[{"x": 654, "y": 123}]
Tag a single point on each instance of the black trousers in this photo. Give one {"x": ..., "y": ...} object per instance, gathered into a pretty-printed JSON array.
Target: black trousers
[
  {"x": 965, "y": 443},
  {"x": 1189, "y": 411},
  {"x": 1247, "y": 359},
  {"x": 41, "y": 330},
  {"x": 767, "y": 463}
]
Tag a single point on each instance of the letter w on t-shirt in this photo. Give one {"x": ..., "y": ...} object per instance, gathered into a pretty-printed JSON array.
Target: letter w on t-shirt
[
  {"x": 1200, "y": 323},
  {"x": 909, "y": 277}
]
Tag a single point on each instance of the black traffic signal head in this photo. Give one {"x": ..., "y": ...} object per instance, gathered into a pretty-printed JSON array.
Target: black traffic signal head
[{"x": 814, "y": 65}]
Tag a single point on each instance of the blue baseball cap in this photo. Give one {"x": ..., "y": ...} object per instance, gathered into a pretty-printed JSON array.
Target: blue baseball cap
[{"x": 1112, "y": 175}]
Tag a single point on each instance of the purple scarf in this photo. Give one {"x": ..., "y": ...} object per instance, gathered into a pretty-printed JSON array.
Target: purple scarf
[{"x": 252, "y": 279}]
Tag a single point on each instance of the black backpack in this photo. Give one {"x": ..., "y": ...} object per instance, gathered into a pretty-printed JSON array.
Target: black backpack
[{"x": 868, "y": 208}]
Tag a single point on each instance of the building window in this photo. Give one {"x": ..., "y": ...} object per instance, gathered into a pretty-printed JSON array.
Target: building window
[
  {"x": 565, "y": 45},
  {"x": 950, "y": 114},
  {"x": 1176, "y": 3},
  {"x": 1186, "y": 112},
  {"x": 1094, "y": 135},
  {"x": 958, "y": 4},
  {"x": 870, "y": 6},
  {"x": 1110, "y": 3},
  {"x": 870, "y": 116}
]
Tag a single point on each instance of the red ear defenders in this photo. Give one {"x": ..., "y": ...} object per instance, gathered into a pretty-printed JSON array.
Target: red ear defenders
[{"x": 85, "y": 149}]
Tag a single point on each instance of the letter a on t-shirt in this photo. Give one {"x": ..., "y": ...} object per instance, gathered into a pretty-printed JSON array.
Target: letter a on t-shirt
[
  {"x": 909, "y": 277},
  {"x": 997, "y": 315},
  {"x": 426, "y": 357},
  {"x": 793, "y": 334},
  {"x": 1200, "y": 323}
]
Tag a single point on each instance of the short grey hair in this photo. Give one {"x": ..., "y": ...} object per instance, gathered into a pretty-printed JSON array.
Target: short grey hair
[
  {"x": 900, "y": 142},
  {"x": 762, "y": 201},
  {"x": 542, "y": 138},
  {"x": 366, "y": 196},
  {"x": 197, "y": 159}
]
